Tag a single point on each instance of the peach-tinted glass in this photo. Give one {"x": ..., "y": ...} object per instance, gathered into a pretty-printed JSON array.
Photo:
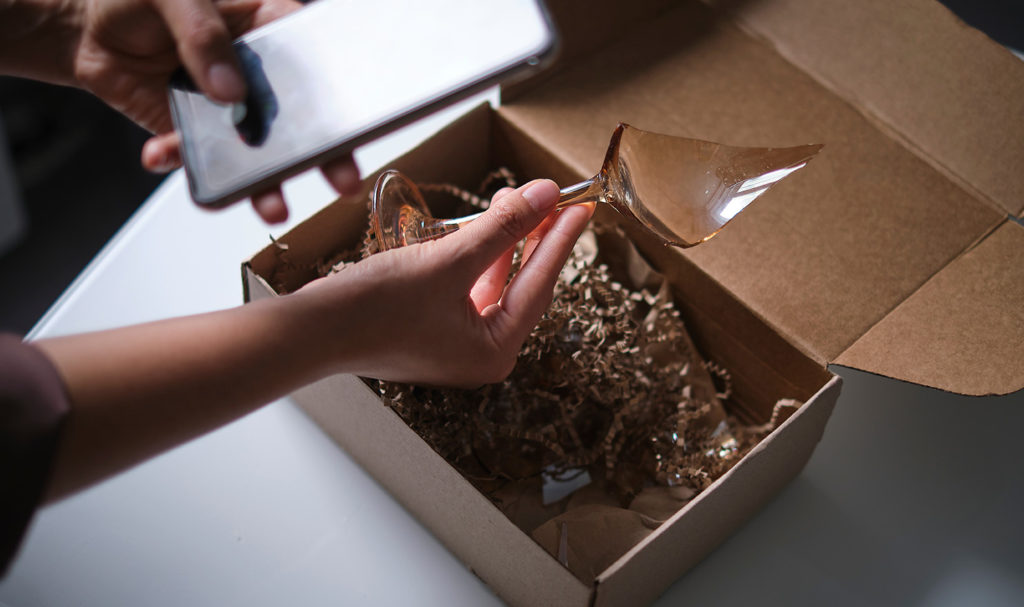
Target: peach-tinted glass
[{"x": 682, "y": 190}]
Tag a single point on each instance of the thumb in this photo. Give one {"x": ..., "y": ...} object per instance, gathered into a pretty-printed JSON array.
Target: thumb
[
  {"x": 509, "y": 219},
  {"x": 204, "y": 46}
]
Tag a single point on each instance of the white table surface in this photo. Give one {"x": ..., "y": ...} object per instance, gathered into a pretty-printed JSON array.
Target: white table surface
[{"x": 913, "y": 497}]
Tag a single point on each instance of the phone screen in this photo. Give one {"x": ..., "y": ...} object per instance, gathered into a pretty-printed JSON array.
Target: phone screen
[{"x": 338, "y": 72}]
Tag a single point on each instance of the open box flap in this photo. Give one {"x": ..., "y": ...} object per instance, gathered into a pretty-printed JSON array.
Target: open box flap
[
  {"x": 967, "y": 314},
  {"x": 945, "y": 89},
  {"x": 830, "y": 252}
]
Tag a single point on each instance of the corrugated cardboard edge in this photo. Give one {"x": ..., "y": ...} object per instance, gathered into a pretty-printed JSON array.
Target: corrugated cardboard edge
[{"x": 640, "y": 575}]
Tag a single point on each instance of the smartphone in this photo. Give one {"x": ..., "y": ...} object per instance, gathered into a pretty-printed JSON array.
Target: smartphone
[{"x": 338, "y": 73}]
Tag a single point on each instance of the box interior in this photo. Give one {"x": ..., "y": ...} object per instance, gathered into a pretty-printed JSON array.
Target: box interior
[
  {"x": 764, "y": 366},
  {"x": 886, "y": 207},
  {"x": 844, "y": 259}
]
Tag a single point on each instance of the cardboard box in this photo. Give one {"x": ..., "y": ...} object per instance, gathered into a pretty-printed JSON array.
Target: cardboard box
[{"x": 895, "y": 252}]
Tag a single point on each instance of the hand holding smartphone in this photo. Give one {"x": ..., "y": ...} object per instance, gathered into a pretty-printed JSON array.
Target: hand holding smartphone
[{"x": 339, "y": 73}]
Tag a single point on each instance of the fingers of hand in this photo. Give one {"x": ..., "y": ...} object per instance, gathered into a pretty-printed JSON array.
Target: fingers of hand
[
  {"x": 162, "y": 153},
  {"x": 270, "y": 205},
  {"x": 491, "y": 284},
  {"x": 529, "y": 293},
  {"x": 489, "y": 288},
  {"x": 343, "y": 175},
  {"x": 501, "y": 193},
  {"x": 239, "y": 16},
  {"x": 270, "y": 10},
  {"x": 536, "y": 236},
  {"x": 204, "y": 46},
  {"x": 509, "y": 219}
]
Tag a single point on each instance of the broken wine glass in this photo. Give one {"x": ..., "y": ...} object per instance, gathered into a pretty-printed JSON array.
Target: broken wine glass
[{"x": 682, "y": 190}]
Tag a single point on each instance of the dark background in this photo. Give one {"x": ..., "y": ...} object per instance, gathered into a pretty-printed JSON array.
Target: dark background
[{"x": 77, "y": 170}]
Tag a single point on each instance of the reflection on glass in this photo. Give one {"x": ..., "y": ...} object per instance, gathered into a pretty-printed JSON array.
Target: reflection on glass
[{"x": 682, "y": 190}]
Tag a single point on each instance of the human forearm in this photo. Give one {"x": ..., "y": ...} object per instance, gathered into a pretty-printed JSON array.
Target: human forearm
[
  {"x": 138, "y": 391},
  {"x": 39, "y": 38},
  {"x": 438, "y": 313}
]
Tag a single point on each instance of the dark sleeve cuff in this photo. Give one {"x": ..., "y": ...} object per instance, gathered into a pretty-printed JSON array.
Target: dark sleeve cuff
[{"x": 33, "y": 404}]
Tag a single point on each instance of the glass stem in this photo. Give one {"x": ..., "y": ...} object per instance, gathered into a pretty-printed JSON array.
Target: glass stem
[
  {"x": 457, "y": 222},
  {"x": 584, "y": 191}
]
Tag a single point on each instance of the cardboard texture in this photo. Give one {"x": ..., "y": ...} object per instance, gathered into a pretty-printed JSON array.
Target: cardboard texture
[
  {"x": 763, "y": 364},
  {"x": 969, "y": 311},
  {"x": 682, "y": 541},
  {"x": 942, "y": 88},
  {"x": 891, "y": 253},
  {"x": 444, "y": 501},
  {"x": 857, "y": 235}
]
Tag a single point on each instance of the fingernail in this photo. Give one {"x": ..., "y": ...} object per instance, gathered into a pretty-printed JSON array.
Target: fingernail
[
  {"x": 542, "y": 195},
  {"x": 226, "y": 83}
]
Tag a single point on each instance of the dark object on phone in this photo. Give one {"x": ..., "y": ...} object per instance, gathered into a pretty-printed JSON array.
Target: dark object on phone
[
  {"x": 343, "y": 74},
  {"x": 253, "y": 117}
]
